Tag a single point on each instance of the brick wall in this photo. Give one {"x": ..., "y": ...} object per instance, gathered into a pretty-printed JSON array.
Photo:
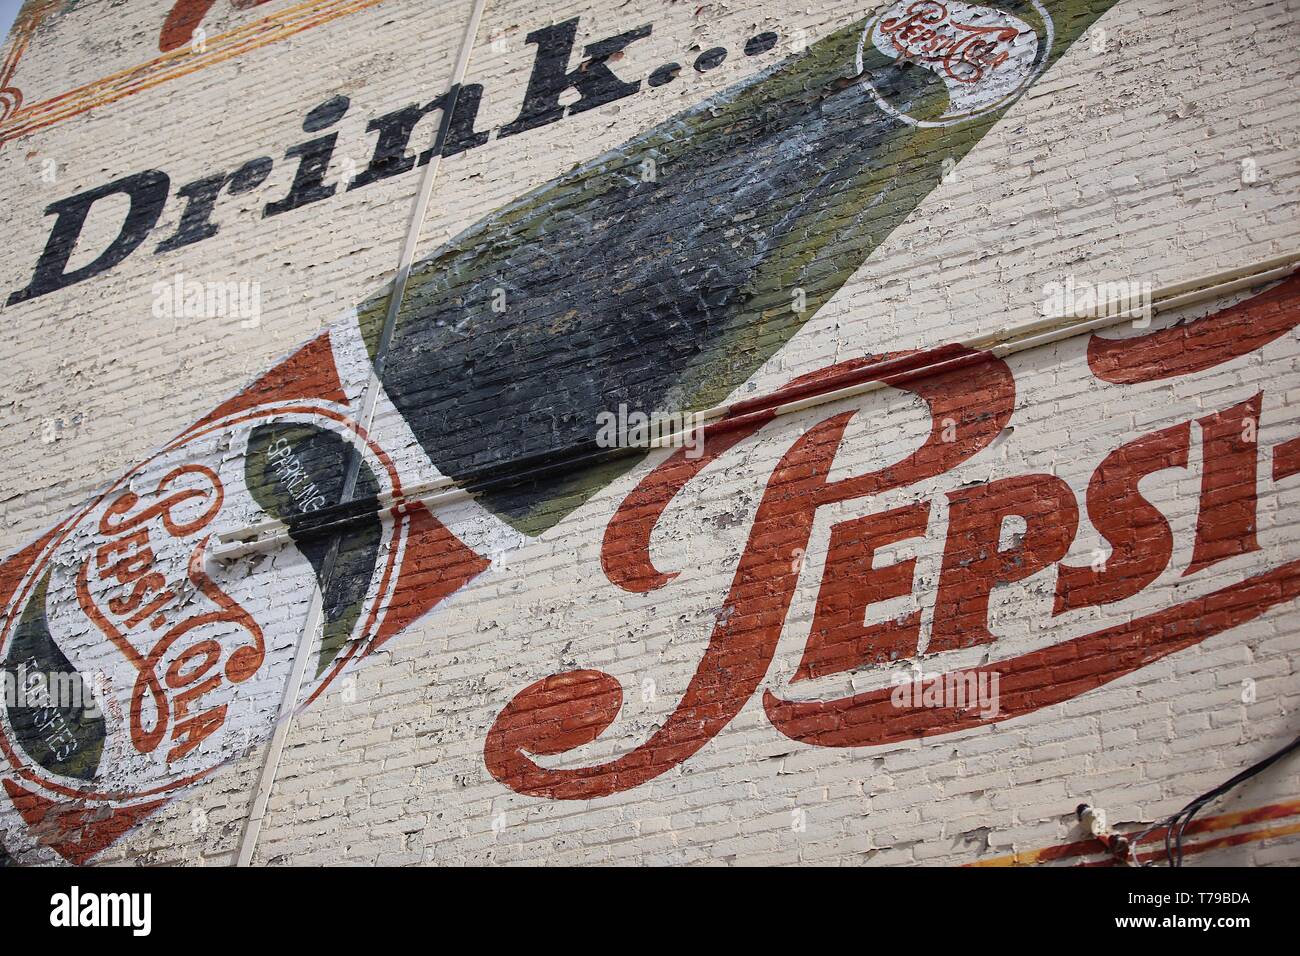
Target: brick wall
[{"x": 645, "y": 658}]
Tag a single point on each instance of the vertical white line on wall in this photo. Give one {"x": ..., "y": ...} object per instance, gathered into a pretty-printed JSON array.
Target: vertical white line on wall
[{"x": 293, "y": 690}]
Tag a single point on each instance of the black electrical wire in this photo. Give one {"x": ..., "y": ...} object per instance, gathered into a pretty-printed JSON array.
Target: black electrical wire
[{"x": 1176, "y": 825}]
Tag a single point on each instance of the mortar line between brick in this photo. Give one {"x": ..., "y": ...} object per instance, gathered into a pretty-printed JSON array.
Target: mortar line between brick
[{"x": 419, "y": 212}]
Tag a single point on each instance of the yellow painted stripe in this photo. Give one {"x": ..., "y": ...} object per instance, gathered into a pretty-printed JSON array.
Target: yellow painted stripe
[
  {"x": 178, "y": 63},
  {"x": 1224, "y": 821}
]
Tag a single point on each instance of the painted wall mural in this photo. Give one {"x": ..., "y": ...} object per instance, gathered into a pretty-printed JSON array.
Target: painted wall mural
[
  {"x": 787, "y": 181},
  {"x": 93, "y": 87},
  {"x": 185, "y": 18}
]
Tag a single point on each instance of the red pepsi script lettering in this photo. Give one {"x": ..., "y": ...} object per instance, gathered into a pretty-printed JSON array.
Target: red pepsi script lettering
[{"x": 970, "y": 398}]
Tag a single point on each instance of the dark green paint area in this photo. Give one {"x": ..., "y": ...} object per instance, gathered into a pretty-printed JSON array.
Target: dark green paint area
[
  {"x": 282, "y": 493},
  {"x": 62, "y": 738},
  {"x": 662, "y": 273}
]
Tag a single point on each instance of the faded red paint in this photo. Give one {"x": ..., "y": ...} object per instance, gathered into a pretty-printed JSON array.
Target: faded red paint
[
  {"x": 973, "y": 397},
  {"x": 1041, "y": 678},
  {"x": 973, "y": 394},
  {"x": 839, "y": 640},
  {"x": 73, "y": 831},
  {"x": 424, "y": 563},
  {"x": 974, "y": 562},
  {"x": 184, "y": 18},
  {"x": 1225, "y": 523},
  {"x": 1141, "y": 543},
  {"x": 1201, "y": 344},
  {"x": 1269, "y": 813}
]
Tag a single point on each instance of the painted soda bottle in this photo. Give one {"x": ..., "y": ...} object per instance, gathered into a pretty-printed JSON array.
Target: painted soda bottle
[{"x": 659, "y": 275}]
